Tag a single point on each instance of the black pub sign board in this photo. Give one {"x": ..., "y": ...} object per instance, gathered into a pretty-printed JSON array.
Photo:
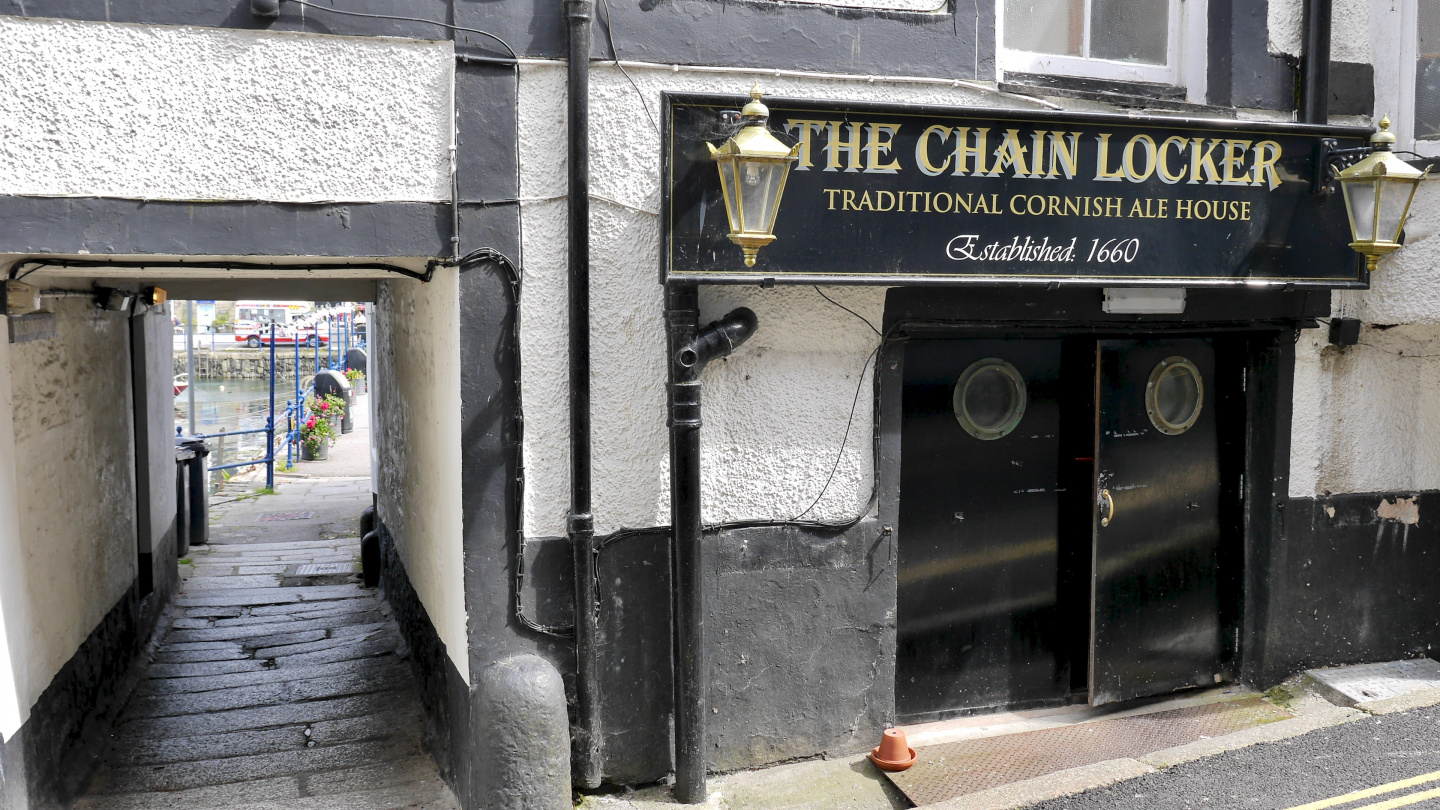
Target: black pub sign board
[{"x": 895, "y": 194}]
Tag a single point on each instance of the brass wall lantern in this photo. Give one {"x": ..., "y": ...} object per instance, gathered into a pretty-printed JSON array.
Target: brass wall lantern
[
  {"x": 753, "y": 167},
  {"x": 1378, "y": 191}
]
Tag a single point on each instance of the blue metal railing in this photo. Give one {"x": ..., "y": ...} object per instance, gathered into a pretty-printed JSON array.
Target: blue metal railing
[{"x": 294, "y": 409}]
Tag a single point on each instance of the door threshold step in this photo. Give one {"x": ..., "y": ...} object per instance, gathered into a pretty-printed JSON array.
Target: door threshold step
[{"x": 948, "y": 770}]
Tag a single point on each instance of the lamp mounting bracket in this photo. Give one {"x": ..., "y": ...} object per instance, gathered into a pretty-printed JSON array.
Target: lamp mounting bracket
[{"x": 1330, "y": 160}]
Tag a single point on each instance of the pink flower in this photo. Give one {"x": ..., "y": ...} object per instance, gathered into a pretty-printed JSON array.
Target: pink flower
[
  {"x": 324, "y": 406},
  {"x": 311, "y": 423}
]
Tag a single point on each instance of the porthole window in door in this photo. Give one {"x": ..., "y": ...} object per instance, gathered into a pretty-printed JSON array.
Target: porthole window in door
[
  {"x": 1174, "y": 395},
  {"x": 990, "y": 399}
]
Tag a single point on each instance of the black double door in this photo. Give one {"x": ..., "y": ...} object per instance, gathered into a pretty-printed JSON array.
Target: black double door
[{"x": 1060, "y": 525}]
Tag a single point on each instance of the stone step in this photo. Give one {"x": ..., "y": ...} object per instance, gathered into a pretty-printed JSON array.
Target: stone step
[
  {"x": 336, "y": 684},
  {"x": 245, "y": 597},
  {"x": 268, "y": 625},
  {"x": 258, "y": 717},
  {"x": 212, "y": 682},
  {"x": 267, "y": 741},
  {"x": 182, "y": 775}
]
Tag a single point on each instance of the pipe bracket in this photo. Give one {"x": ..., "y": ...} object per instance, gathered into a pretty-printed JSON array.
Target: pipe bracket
[{"x": 684, "y": 405}]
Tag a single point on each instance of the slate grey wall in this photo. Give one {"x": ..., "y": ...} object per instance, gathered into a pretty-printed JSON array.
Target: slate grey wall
[
  {"x": 955, "y": 43},
  {"x": 1348, "y": 586}
]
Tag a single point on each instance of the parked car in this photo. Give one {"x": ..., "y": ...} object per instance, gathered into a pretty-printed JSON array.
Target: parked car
[{"x": 260, "y": 336}]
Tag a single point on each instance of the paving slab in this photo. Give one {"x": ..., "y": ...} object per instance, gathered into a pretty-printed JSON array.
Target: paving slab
[
  {"x": 204, "y": 668},
  {"x": 231, "y": 653},
  {"x": 356, "y": 600},
  {"x": 1367, "y": 683},
  {"x": 337, "y": 641},
  {"x": 382, "y": 645},
  {"x": 213, "y": 583}
]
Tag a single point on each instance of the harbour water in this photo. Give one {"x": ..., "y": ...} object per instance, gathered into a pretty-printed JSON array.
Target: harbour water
[{"x": 231, "y": 405}]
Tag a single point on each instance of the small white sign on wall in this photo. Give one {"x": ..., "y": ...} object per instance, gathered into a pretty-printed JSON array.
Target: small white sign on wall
[{"x": 1144, "y": 300}]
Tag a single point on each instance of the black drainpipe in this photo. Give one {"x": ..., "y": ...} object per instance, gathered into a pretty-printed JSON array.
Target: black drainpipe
[
  {"x": 1315, "y": 63},
  {"x": 582, "y": 521},
  {"x": 690, "y": 349}
]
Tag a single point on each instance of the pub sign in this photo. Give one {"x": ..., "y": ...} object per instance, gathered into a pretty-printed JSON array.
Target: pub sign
[{"x": 894, "y": 194}]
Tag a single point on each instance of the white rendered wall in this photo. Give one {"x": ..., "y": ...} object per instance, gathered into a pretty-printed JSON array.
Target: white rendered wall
[
  {"x": 174, "y": 113},
  {"x": 75, "y": 466},
  {"x": 897, "y": 5},
  {"x": 1349, "y": 32},
  {"x": 1367, "y": 417},
  {"x": 14, "y": 606},
  {"x": 415, "y": 345},
  {"x": 1350, "y": 29},
  {"x": 775, "y": 413}
]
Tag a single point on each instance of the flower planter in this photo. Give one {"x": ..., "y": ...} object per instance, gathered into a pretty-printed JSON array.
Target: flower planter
[{"x": 306, "y": 455}]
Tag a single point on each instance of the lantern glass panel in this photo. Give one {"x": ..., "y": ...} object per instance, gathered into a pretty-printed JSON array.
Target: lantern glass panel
[
  {"x": 1395, "y": 199},
  {"x": 759, "y": 189},
  {"x": 728, "y": 184},
  {"x": 1360, "y": 199}
]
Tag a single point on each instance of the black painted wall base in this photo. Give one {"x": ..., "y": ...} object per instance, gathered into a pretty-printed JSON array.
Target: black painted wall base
[
  {"x": 60, "y": 745},
  {"x": 799, "y": 636},
  {"x": 1349, "y": 586},
  {"x": 443, "y": 692}
]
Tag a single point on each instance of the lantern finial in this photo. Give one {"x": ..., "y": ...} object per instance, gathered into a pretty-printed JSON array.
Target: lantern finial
[
  {"x": 1383, "y": 137},
  {"x": 756, "y": 108}
]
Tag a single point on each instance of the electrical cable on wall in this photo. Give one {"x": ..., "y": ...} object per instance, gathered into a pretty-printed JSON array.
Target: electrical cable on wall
[
  {"x": 615, "y": 52},
  {"x": 515, "y": 279},
  {"x": 367, "y": 15}
]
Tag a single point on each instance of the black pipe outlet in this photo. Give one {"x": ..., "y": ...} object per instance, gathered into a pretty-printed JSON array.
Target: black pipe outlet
[
  {"x": 718, "y": 339},
  {"x": 691, "y": 348}
]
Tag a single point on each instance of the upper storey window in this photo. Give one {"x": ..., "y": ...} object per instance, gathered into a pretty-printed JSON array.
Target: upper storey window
[
  {"x": 1427, "y": 74},
  {"x": 1124, "y": 40},
  {"x": 1406, "y": 43}
]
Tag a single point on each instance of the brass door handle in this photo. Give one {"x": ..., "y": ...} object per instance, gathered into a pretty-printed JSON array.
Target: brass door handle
[{"x": 1107, "y": 508}]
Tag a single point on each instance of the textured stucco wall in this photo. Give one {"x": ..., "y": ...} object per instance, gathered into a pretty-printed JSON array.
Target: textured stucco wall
[
  {"x": 1349, "y": 34},
  {"x": 14, "y": 607},
  {"x": 898, "y": 5},
  {"x": 415, "y": 349},
  {"x": 75, "y": 463},
  {"x": 174, "y": 113},
  {"x": 1367, "y": 417},
  {"x": 775, "y": 413}
]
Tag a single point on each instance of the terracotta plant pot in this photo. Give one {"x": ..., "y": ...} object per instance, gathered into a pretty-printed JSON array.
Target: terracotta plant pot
[{"x": 892, "y": 754}]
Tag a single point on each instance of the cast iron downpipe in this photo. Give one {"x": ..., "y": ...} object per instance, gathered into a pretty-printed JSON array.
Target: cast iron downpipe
[
  {"x": 582, "y": 521},
  {"x": 1315, "y": 63},
  {"x": 690, "y": 349}
]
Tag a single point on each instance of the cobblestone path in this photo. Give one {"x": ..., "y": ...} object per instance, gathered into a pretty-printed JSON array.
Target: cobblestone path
[{"x": 263, "y": 694}]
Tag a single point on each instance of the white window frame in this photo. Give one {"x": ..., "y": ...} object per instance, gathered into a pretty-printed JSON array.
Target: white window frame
[
  {"x": 1393, "y": 27},
  {"x": 1186, "y": 50}
]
